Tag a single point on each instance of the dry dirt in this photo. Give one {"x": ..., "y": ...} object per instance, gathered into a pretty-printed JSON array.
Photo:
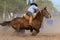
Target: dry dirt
[{"x": 46, "y": 33}]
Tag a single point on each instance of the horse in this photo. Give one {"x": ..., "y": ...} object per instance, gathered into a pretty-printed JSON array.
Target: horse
[{"x": 20, "y": 23}]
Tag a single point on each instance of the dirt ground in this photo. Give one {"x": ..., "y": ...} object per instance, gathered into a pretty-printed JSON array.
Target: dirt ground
[{"x": 46, "y": 32}]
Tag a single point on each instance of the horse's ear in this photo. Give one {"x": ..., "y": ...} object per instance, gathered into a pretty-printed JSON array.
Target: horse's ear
[{"x": 45, "y": 8}]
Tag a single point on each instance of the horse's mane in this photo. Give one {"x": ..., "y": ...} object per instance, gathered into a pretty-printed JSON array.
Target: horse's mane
[{"x": 38, "y": 15}]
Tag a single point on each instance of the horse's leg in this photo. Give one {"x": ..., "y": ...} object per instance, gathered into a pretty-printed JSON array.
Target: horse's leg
[
  {"x": 31, "y": 30},
  {"x": 35, "y": 32},
  {"x": 22, "y": 30},
  {"x": 16, "y": 28}
]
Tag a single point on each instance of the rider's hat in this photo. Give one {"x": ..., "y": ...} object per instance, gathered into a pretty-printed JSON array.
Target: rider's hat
[{"x": 34, "y": 4}]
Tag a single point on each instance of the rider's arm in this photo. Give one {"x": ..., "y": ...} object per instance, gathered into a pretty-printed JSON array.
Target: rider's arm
[{"x": 37, "y": 10}]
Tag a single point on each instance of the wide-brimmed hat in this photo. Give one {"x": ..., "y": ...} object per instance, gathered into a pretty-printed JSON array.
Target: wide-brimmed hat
[{"x": 34, "y": 4}]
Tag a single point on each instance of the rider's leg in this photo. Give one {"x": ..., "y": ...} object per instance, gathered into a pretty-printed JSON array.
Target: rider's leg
[
  {"x": 34, "y": 15},
  {"x": 31, "y": 17},
  {"x": 30, "y": 20}
]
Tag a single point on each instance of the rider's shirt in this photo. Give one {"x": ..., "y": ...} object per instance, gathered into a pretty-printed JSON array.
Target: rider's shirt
[{"x": 32, "y": 8}]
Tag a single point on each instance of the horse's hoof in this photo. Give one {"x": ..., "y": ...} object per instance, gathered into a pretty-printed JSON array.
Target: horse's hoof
[{"x": 33, "y": 34}]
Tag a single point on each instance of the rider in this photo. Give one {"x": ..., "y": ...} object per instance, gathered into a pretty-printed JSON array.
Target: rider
[{"x": 31, "y": 12}]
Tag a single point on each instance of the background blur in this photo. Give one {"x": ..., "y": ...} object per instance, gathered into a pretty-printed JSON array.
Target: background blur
[{"x": 10, "y": 9}]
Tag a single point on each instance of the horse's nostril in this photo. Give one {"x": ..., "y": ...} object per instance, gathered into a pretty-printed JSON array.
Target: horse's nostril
[
  {"x": 50, "y": 16},
  {"x": 47, "y": 17}
]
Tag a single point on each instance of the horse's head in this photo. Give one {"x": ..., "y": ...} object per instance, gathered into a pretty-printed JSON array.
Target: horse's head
[{"x": 45, "y": 13}]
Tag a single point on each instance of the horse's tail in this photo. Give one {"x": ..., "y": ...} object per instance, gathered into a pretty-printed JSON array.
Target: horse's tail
[{"x": 5, "y": 23}]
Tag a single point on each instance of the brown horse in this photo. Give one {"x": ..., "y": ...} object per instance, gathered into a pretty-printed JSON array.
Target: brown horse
[{"x": 21, "y": 23}]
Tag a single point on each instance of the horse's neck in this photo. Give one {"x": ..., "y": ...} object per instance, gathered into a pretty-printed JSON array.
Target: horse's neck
[{"x": 39, "y": 17}]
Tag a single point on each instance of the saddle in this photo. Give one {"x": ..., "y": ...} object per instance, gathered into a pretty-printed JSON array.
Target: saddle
[{"x": 27, "y": 17}]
